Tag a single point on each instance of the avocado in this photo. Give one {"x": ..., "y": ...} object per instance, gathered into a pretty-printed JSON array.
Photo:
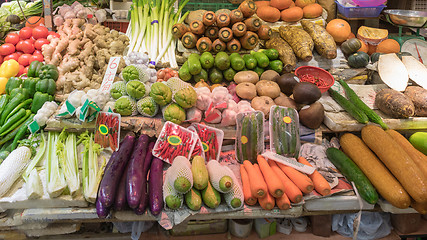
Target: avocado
[
  {"x": 202, "y": 75},
  {"x": 312, "y": 115},
  {"x": 306, "y": 93}
]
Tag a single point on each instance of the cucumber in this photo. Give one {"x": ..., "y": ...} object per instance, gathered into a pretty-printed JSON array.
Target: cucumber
[
  {"x": 353, "y": 173},
  {"x": 215, "y": 76},
  {"x": 275, "y": 131},
  {"x": 287, "y": 143},
  {"x": 229, "y": 74},
  {"x": 352, "y": 96},
  {"x": 245, "y": 133},
  {"x": 355, "y": 112},
  {"x": 261, "y": 59},
  {"x": 250, "y": 61},
  {"x": 258, "y": 125},
  {"x": 207, "y": 60},
  {"x": 184, "y": 73},
  {"x": 237, "y": 62},
  {"x": 194, "y": 66},
  {"x": 202, "y": 75}
]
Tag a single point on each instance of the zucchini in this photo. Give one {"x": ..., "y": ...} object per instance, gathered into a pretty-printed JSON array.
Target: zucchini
[
  {"x": 355, "y": 112},
  {"x": 352, "y": 96},
  {"x": 353, "y": 173}
]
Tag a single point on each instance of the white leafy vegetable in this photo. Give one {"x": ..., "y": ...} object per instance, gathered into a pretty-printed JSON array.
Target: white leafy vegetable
[{"x": 56, "y": 183}]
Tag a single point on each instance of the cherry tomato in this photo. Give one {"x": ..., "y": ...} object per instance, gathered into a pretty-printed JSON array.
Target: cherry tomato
[
  {"x": 40, "y": 32},
  {"x": 28, "y": 47},
  {"x": 54, "y": 34},
  {"x": 36, "y": 57},
  {"x": 37, "y": 52},
  {"x": 25, "y": 33},
  {"x": 14, "y": 56},
  {"x": 6, "y": 49},
  {"x": 24, "y": 59},
  {"x": 12, "y": 38},
  {"x": 40, "y": 42},
  {"x": 21, "y": 70}
]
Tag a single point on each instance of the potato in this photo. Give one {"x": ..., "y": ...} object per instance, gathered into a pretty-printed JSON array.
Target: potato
[
  {"x": 226, "y": 11},
  {"x": 263, "y": 104},
  {"x": 285, "y": 101},
  {"x": 246, "y": 90},
  {"x": 268, "y": 75},
  {"x": 195, "y": 15},
  {"x": 418, "y": 96},
  {"x": 268, "y": 88},
  {"x": 246, "y": 76},
  {"x": 394, "y": 103}
]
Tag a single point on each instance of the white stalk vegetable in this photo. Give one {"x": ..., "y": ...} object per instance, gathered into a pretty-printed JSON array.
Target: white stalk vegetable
[
  {"x": 140, "y": 42},
  {"x": 12, "y": 168},
  {"x": 67, "y": 155},
  {"x": 40, "y": 155},
  {"x": 56, "y": 183},
  {"x": 34, "y": 187}
]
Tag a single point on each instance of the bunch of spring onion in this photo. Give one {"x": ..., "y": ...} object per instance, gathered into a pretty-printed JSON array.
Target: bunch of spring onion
[
  {"x": 28, "y": 9},
  {"x": 150, "y": 29}
]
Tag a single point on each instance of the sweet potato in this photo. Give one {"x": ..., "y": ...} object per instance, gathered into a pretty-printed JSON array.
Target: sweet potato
[
  {"x": 299, "y": 40},
  {"x": 418, "y": 96},
  {"x": 286, "y": 54},
  {"x": 323, "y": 41},
  {"x": 394, "y": 103}
]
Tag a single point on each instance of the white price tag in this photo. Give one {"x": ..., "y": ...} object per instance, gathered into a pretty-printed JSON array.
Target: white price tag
[
  {"x": 110, "y": 74},
  {"x": 291, "y": 162}
]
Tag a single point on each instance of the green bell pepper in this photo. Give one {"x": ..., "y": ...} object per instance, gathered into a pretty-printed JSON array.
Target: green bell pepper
[
  {"x": 13, "y": 83},
  {"x": 46, "y": 86},
  {"x": 49, "y": 71},
  {"x": 23, "y": 91},
  {"x": 34, "y": 68},
  {"x": 30, "y": 84},
  {"x": 38, "y": 100}
]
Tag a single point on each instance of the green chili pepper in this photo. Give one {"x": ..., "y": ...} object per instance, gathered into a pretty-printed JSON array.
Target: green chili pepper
[
  {"x": 24, "y": 105},
  {"x": 15, "y": 118},
  {"x": 22, "y": 132},
  {"x": 15, "y": 101},
  {"x": 4, "y": 99}
]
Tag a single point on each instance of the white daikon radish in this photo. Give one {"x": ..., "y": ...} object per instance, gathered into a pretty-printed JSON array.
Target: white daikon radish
[
  {"x": 416, "y": 70},
  {"x": 393, "y": 72}
]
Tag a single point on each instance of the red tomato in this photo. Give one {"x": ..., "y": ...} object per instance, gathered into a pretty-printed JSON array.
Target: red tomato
[
  {"x": 6, "y": 49},
  {"x": 26, "y": 69},
  {"x": 40, "y": 42},
  {"x": 21, "y": 70},
  {"x": 37, "y": 52},
  {"x": 40, "y": 32},
  {"x": 54, "y": 34},
  {"x": 28, "y": 47},
  {"x": 36, "y": 57},
  {"x": 14, "y": 56},
  {"x": 25, "y": 33},
  {"x": 12, "y": 38},
  {"x": 24, "y": 59},
  {"x": 32, "y": 40},
  {"x": 1, "y": 59},
  {"x": 19, "y": 45},
  {"x": 19, "y": 53}
]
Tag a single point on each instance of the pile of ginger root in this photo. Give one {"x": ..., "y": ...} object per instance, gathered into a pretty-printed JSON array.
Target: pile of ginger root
[{"x": 82, "y": 54}]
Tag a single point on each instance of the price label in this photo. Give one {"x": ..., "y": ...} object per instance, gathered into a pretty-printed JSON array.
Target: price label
[{"x": 110, "y": 74}]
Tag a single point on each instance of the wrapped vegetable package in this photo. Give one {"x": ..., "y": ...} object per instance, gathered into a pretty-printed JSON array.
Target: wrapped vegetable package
[
  {"x": 125, "y": 106},
  {"x": 135, "y": 89},
  {"x": 118, "y": 89},
  {"x": 161, "y": 93},
  {"x": 181, "y": 177},
  {"x": 147, "y": 107}
]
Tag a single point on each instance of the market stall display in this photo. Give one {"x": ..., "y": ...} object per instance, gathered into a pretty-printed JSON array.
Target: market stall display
[{"x": 230, "y": 126}]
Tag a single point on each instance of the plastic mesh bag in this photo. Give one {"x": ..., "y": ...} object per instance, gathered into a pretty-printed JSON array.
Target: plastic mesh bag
[
  {"x": 147, "y": 107},
  {"x": 180, "y": 170},
  {"x": 218, "y": 174},
  {"x": 144, "y": 75},
  {"x": 233, "y": 197},
  {"x": 168, "y": 190}
]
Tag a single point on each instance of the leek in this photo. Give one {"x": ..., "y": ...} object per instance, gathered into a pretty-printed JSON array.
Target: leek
[
  {"x": 91, "y": 171},
  {"x": 56, "y": 183},
  {"x": 67, "y": 155}
]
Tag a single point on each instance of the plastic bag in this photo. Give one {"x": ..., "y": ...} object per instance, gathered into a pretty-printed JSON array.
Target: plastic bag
[
  {"x": 211, "y": 140},
  {"x": 284, "y": 131},
  {"x": 249, "y": 136},
  {"x": 135, "y": 227},
  {"x": 373, "y": 225}
]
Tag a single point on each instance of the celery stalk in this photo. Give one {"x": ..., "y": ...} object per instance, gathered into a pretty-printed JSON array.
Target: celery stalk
[
  {"x": 67, "y": 155},
  {"x": 56, "y": 183},
  {"x": 40, "y": 155}
]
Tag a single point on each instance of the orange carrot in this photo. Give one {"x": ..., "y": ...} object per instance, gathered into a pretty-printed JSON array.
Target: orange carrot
[
  {"x": 256, "y": 180},
  {"x": 303, "y": 182},
  {"x": 249, "y": 199},
  {"x": 267, "y": 202},
  {"x": 291, "y": 190},
  {"x": 320, "y": 184},
  {"x": 283, "y": 202},
  {"x": 274, "y": 185}
]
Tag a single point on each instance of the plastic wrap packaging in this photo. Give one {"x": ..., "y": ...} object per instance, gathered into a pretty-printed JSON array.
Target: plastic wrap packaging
[
  {"x": 217, "y": 175},
  {"x": 284, "y": 131},
  {"x": 180, "y": 171},
  {"x": 249, "y": 136},
  {"x": 198, "y": 148}
]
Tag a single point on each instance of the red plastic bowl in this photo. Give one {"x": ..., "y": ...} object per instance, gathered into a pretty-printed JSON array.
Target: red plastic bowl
[{"x": 316, "y": 72}]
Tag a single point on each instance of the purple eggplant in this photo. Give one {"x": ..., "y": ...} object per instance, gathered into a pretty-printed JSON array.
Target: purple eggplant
[
  {"x": 144, "y": 197},
  {"x": 155, "y": 187},
  {"x": 101, "y": 211},
  {"x": 114, "y": 171},
  {"x": 135, "y": 171},
  {"x": 120, "y": 201}
]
